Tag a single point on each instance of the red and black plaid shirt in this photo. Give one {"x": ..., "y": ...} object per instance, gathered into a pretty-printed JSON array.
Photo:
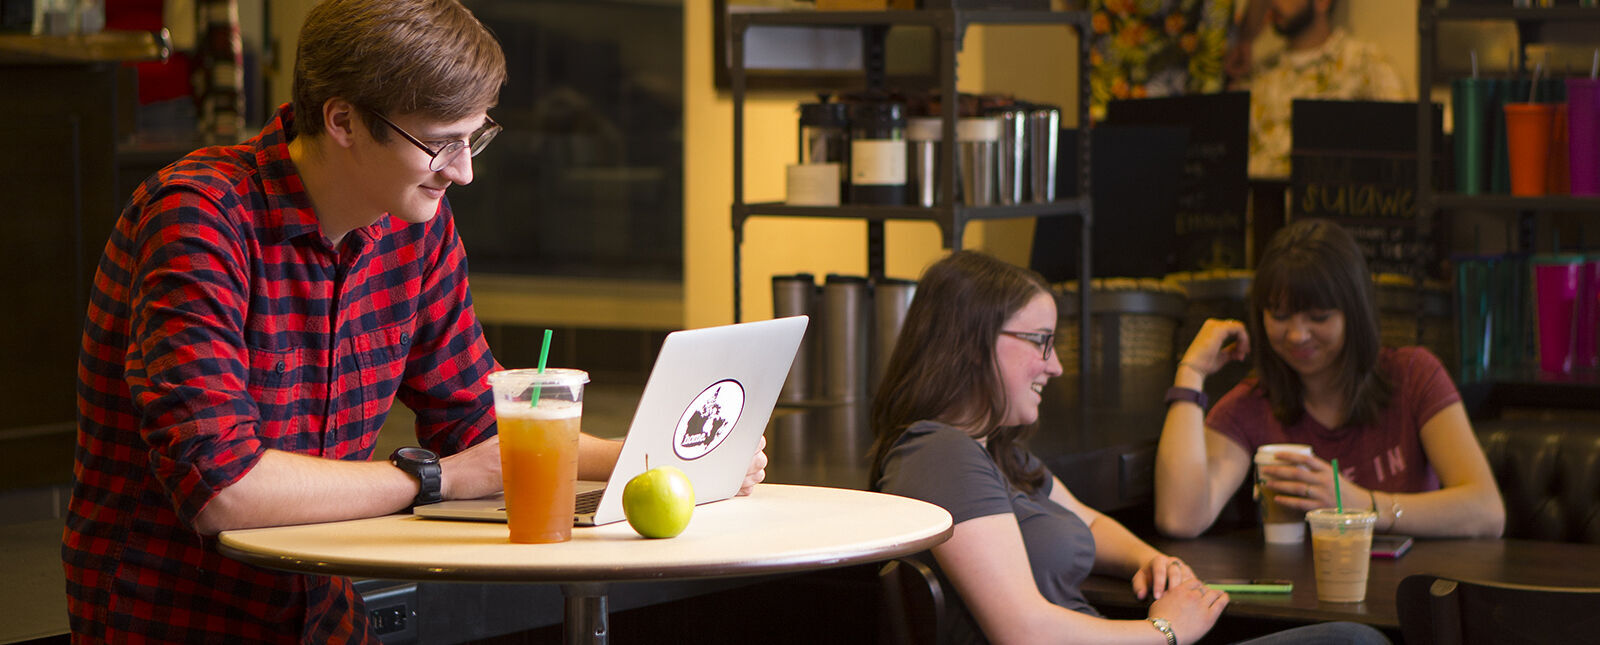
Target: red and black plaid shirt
[{"x": 221, "y": 324}]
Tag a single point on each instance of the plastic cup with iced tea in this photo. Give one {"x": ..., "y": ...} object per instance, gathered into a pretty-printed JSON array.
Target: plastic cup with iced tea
[{"x": 539, "y": 415}]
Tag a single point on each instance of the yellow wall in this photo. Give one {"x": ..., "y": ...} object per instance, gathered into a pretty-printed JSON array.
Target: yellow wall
[
  {"x": 1008, "y": 59},
  {"x": 1037, "y": 63},
  {"x": 1392, "y": 25}
]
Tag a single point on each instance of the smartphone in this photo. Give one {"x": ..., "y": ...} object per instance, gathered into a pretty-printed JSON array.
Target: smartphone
[
  {"x": 1390, "y": 546},
  {"x": 1251, "y": 585}
]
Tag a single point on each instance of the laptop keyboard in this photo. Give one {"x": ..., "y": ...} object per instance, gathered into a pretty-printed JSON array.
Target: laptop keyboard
[{"x": 588, "y": 501}]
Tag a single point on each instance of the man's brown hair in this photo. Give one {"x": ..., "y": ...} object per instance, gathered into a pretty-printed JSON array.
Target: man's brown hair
[{"x": 428, "y": 57}]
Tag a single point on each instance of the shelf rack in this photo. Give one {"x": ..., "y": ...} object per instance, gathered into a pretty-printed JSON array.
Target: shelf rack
[
  {"x": 1527, "y": 386},
  {"x": 950, "y": 26}
]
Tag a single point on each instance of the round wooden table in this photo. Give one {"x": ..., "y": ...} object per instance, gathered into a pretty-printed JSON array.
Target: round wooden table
[{"x": 777, "y": 529}]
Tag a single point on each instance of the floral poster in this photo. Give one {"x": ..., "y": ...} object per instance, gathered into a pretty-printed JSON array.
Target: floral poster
[{"x": 1148, "y": 48}]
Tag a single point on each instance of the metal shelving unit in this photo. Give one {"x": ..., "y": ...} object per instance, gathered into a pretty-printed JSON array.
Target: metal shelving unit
[
  {"x": 1431, "y": 202},
  {"x": 1524, "y": 387},
  {"x": 950, "y": 28}
]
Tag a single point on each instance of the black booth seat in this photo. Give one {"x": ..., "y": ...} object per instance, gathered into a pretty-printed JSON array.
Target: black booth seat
[{"x": 1549, "y": 477}]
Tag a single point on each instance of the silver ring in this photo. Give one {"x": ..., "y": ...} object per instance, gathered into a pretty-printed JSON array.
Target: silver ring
[{"x": 1307, "y": 494}]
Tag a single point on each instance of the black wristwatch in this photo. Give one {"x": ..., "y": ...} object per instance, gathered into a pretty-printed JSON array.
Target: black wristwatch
[{"x": 424, "y": 465}]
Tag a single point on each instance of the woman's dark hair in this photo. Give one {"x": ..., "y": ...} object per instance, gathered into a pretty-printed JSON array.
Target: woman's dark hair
[
  {"x": 1315, "y": 264},
  {"x": 943, "y": 366}
]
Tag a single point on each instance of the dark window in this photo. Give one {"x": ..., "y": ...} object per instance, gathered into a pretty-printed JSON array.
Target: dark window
[{"x": 587, "y": 179}]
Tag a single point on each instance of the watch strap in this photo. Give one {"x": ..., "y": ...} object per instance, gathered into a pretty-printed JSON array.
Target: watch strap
[
  {"x": 1187, "y": 394},
  {"x": 1166, "y": 629}
]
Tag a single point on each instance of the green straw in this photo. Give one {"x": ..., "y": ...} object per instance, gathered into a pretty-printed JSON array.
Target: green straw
[
  {"x": 1338, "y": 500},
  {"x": 544, "y": 353}
]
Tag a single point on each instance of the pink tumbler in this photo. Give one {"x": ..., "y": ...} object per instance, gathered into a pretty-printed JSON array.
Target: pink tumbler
[
  {"x": 1564, "y": 297},
  {"x": 1583, "y": 135}
]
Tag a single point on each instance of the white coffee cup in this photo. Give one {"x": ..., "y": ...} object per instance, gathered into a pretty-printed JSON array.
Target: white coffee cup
[{"x": 1280, "y": 524}]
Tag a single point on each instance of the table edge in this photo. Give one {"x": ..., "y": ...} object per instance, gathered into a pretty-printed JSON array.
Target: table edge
[
  {"x": 913, "y": 542},
  {"x": 579, "y": 573}
]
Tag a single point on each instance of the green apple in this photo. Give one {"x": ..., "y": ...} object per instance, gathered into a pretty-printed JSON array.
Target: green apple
[{"x": 658, "y": 502}]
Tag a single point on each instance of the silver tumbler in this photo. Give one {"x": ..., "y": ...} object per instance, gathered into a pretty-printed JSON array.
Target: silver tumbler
[
  {"x": 1044, "y": 128},
  {"x": 977, "y": 139},
  {"x": 846, "y": 317},
  {"x": 891, "y": 297},
  {"x": 796, "y": 295},
  {"x": 924, "y": 135},
  {"x": 1013, "y": 167}
]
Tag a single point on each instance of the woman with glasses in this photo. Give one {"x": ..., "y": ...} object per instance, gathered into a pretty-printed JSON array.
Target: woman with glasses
[
  {"x": 958, "y": 398},
  {"x": 1391, "y": 416}
]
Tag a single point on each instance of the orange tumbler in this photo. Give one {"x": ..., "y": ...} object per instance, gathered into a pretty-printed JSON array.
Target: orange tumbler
[{"x": 1528, "y": 129}]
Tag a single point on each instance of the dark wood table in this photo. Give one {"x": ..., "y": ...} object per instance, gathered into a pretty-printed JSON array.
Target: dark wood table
[{"x": 1243, "y": 554}]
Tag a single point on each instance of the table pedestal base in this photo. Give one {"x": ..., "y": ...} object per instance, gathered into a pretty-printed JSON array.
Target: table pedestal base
[{"x": 587, "y": 616}]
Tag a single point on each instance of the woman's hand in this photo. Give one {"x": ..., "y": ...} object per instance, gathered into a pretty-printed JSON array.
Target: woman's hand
[
  {"x": 1306, "y": 483},
  {"x": 1191, "y": 608},
  {"x": 1218, "y": 343},
  {"x": 1158, "y": 574},
  {"x": 758, "y": 469}
]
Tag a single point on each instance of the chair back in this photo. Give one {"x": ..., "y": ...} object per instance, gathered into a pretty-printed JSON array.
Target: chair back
[
  {"x": 913, "y": 604},
  {"x": 1436, "y": 610}
]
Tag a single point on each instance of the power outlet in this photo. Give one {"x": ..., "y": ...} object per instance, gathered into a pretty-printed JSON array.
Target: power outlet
[{"x": 392, "y": 608}]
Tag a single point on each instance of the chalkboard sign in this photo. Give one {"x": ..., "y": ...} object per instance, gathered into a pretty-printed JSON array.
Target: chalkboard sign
[
  {"x": 1209, "y": 226},
  {"x": 1355, "y": 162},
  {"x": 1134, "y": 176}
]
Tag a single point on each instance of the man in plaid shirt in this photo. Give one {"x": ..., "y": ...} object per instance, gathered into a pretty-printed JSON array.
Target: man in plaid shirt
[{"x": 256, "y": 312}]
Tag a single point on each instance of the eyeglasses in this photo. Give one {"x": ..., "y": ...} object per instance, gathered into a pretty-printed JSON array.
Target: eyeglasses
[
  {"x": 447, "y": 155},
  {"x": 1046, "y": 340}
]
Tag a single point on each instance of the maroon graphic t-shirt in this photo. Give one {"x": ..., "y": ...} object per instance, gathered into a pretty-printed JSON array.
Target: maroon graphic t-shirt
[{"x": 1386, "y": 455}]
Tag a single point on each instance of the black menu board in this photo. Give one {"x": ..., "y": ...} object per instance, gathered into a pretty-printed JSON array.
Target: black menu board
[
  {"x": 1355, "y": 162},
  {"x": 1133, "y": 180},
  {"x": 1209, "y": 226}
]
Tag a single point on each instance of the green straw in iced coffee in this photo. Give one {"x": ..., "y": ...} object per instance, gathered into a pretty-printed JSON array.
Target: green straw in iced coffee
[
  {"x": 1338, "y": 500},
  {"x": 544, "y": 353}
]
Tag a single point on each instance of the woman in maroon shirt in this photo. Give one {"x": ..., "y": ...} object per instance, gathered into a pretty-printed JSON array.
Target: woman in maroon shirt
[{"x": 1391, "y": 416}]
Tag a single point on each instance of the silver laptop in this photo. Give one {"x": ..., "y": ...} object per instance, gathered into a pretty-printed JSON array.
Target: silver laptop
[{"x": 703, "y": 410}]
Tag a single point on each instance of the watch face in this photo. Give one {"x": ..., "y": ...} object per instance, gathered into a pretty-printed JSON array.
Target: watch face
[{"x": 413, "y": 453}]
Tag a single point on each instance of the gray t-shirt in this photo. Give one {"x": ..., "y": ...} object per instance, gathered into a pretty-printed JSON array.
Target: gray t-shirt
[{"x": 941, "y": 465}]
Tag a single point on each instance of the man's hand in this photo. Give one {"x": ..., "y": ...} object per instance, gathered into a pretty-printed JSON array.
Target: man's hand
[
  {"x": 472, "y": 473},
  {"x": 758, "y": 469}
]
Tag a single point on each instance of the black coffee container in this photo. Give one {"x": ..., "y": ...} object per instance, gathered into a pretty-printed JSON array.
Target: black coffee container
[{"x": 877, "y": 153}]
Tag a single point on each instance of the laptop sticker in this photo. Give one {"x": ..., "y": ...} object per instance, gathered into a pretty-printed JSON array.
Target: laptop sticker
[{"x": 708, "y": 420}]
